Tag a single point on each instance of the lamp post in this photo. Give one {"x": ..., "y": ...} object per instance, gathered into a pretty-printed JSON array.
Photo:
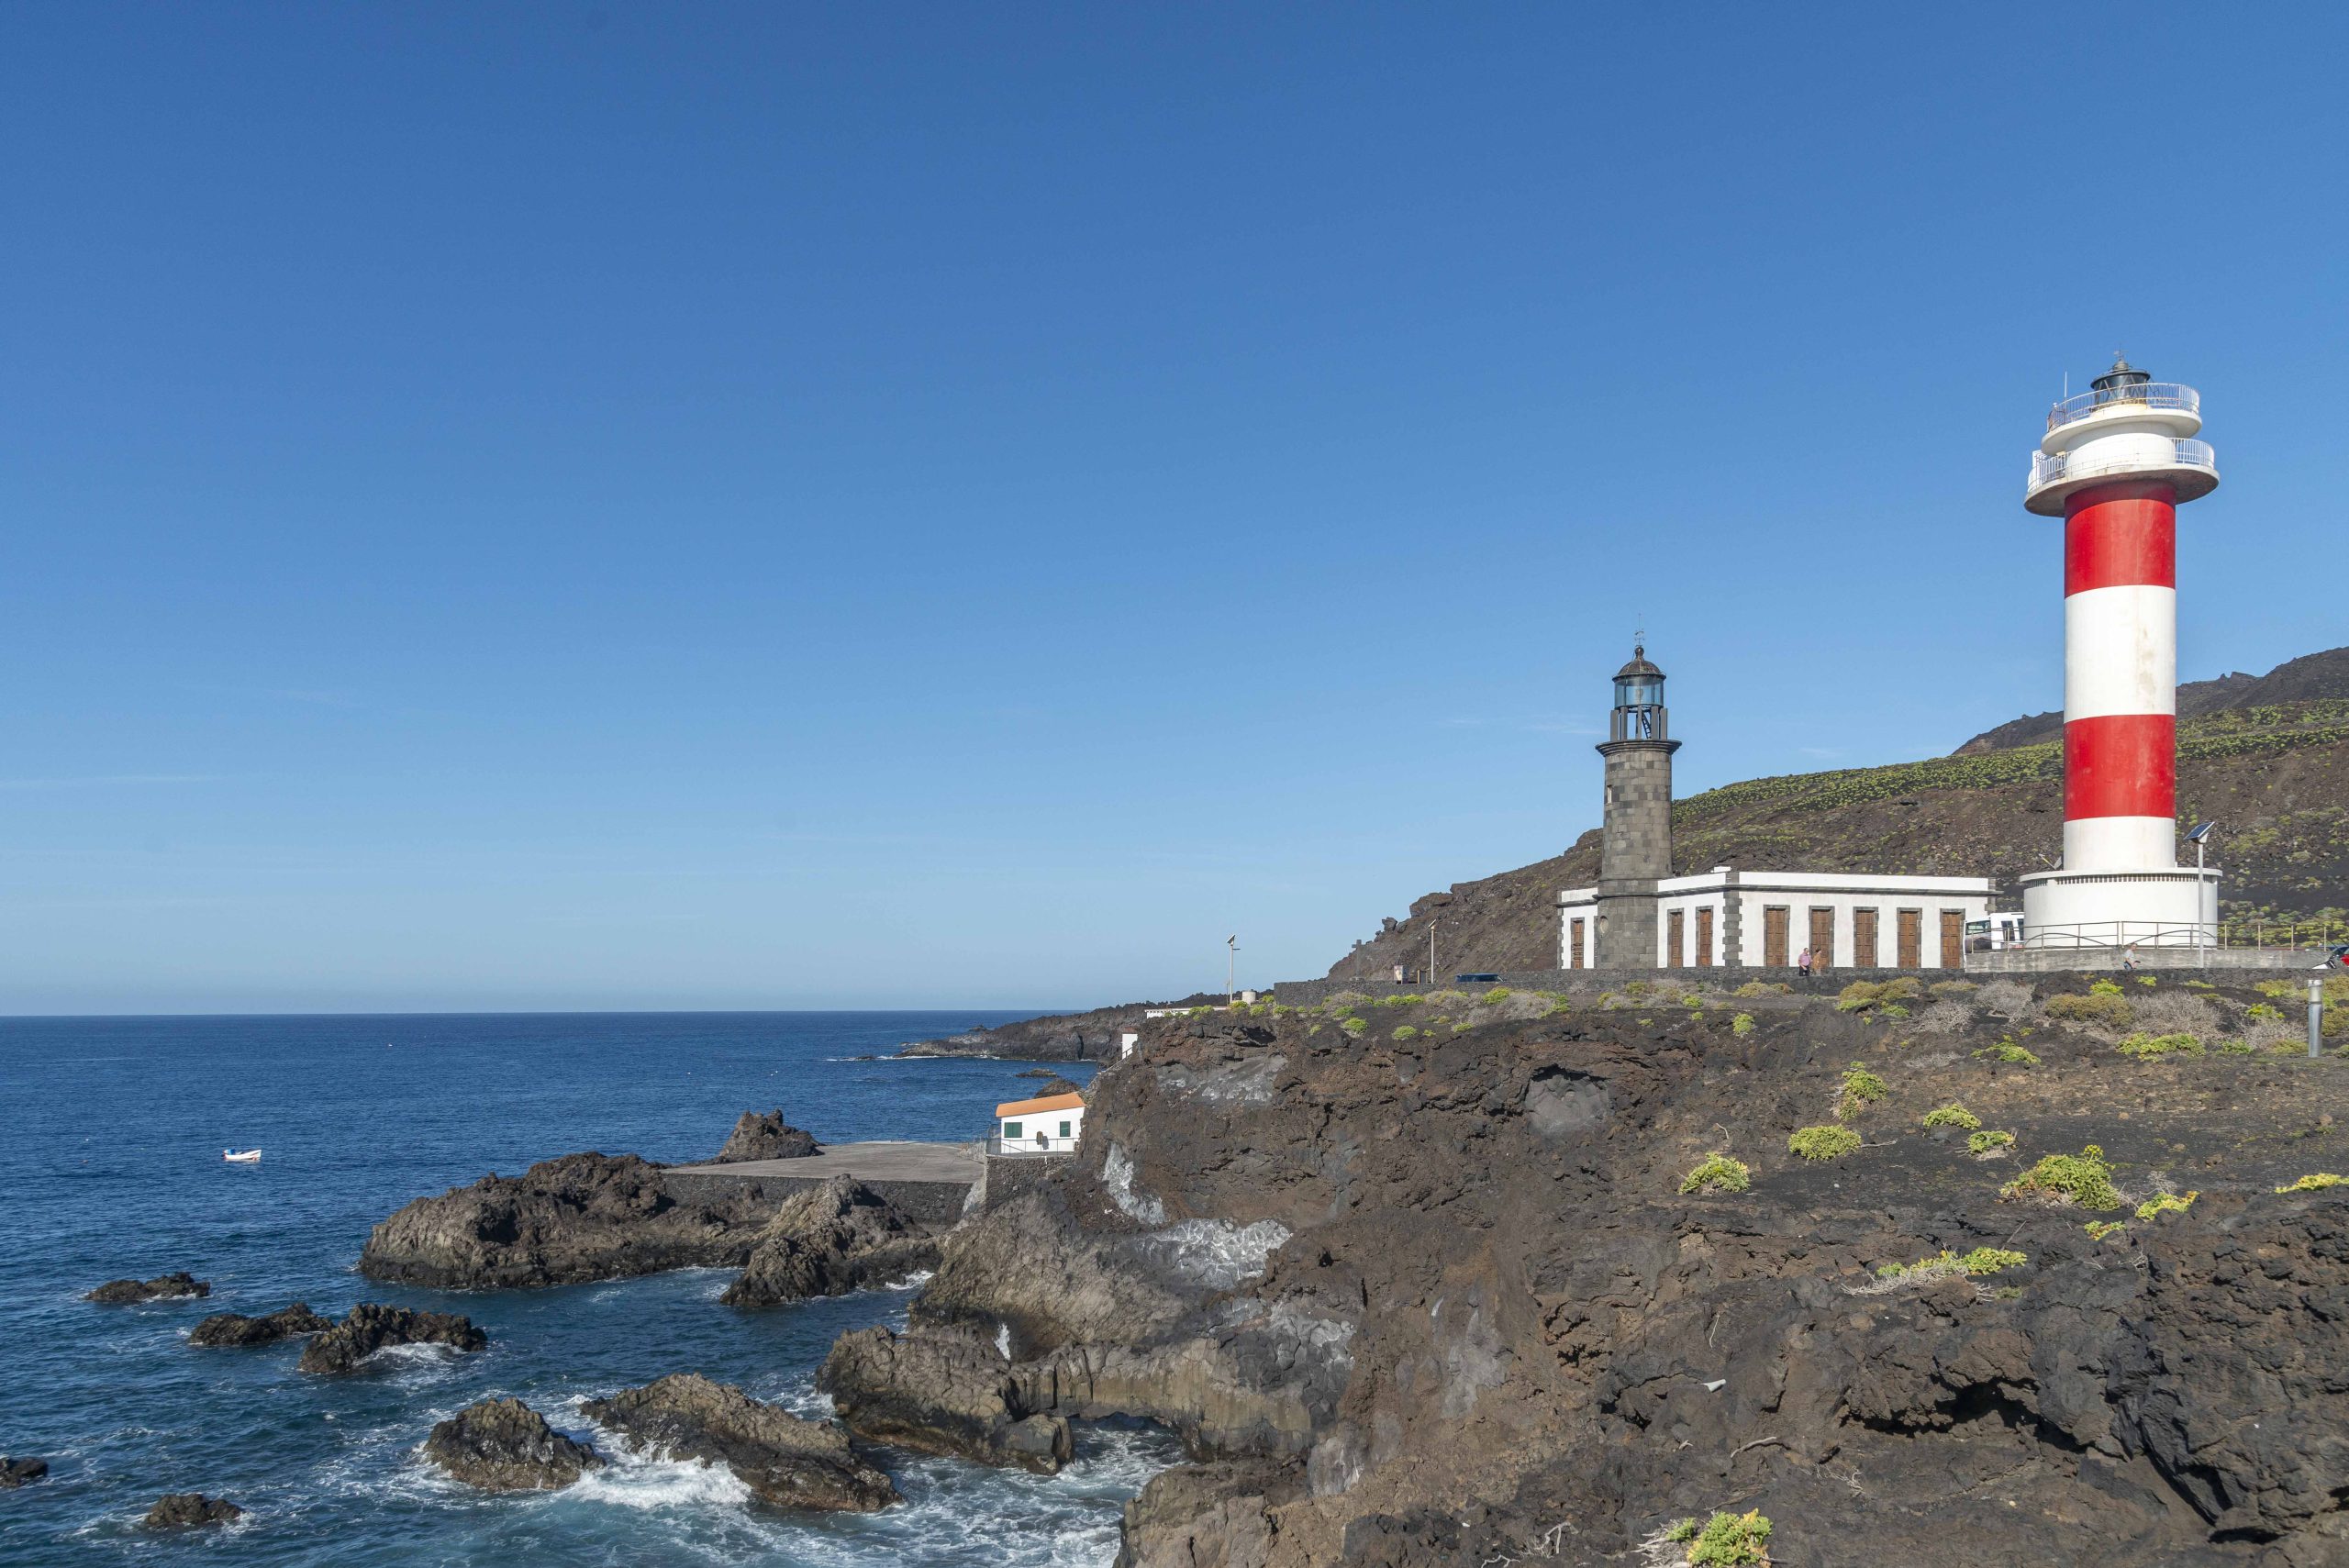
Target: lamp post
[
  {"x": 2198, "y": 839},
  {"x": 2316, "y": 1015},
  {"x": 1432, "y": 924},
  {"x": 1231, "y": 970}
]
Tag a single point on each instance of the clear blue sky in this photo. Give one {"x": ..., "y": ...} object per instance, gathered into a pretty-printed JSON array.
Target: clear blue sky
[{"x": 549, "y": 506}]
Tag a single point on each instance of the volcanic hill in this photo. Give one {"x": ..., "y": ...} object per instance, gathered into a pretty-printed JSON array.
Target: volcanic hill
[{"x": 2267, "y": 755}]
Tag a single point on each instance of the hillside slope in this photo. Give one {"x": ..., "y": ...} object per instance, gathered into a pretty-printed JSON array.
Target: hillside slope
[{"x": 2268, "y": 756}]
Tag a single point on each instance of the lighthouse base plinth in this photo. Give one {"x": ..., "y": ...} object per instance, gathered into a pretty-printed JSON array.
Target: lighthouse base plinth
[{"x": 2098, "y": 911}]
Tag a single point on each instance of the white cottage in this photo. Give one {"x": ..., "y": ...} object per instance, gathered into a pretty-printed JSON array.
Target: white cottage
[{"x": 1049, "y": 1126}]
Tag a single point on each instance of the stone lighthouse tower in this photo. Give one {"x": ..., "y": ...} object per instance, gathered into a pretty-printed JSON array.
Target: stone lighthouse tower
[
  {"x": 2115, "y": 464},
  {"x": 1635, "y": 835}
]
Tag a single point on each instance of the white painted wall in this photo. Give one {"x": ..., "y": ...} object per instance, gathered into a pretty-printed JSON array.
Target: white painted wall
[{"x": 1048, "y": 1123}]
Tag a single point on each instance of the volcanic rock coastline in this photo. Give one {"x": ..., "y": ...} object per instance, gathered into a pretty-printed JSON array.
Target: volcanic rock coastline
[{"x": 564, "y": 1222}]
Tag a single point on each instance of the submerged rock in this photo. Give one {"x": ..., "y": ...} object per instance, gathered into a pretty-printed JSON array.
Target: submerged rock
[
  {"x": 236, "y": 1328},
  {"x": 15, "y": 1473},
  {"x": 829, "y": 1240},
  {"x": 503, "y": 1445},
  {"x": 783, "y": 1460},
  {"x": 180, "y": 1509},
  {"x": 766, "y": 1137},
  {"x": 371, "y": 1328},
  {"x": 163, "y": 1287},
  {"x": 940, "y": 1392},
  {"x": 584, "y": 1217}
]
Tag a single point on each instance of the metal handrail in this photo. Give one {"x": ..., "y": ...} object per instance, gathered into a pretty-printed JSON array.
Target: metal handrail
[
  {"x": 997, "y": 1144},
  {"x": 2046, "y": 470},
  {"x": 2147, "y": 394}
]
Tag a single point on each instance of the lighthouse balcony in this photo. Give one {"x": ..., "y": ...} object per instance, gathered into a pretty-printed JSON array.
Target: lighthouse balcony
[
  {"x": 2189, "y": 465},
  {"x": 2166, "y": 397}
]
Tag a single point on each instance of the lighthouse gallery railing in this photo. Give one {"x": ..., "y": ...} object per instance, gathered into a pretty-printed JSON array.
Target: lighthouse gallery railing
[
  {"x": 2145, "y": 394},
  {"x": 2189, "y": 454}
]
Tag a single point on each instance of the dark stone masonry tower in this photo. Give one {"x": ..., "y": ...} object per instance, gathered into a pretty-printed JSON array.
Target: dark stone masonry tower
[{"x": 1635, "y": 840}]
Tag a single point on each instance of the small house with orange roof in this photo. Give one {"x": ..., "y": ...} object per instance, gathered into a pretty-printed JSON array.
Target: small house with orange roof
[{"x": 1047, "y": 1126}]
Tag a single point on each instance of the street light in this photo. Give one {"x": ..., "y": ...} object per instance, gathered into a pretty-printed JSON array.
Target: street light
[
  {"x": 2198, "y": 838},
  {"x": 1231, "y": 970}
]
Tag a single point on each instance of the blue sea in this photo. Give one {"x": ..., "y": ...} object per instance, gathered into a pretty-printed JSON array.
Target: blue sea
[{"x": 110, "y": 1166}]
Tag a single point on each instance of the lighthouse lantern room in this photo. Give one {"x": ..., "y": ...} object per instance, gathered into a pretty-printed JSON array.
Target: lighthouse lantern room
[{"x": 2115, "y": 463}]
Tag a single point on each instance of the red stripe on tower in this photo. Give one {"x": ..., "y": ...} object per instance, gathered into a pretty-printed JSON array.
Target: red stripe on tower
[
  {"x": 2121, "y": 765},
  {"x": 2120, "y": 535}
]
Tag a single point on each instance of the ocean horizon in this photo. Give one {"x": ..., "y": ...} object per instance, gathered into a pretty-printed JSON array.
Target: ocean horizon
[{"x": 118, "y": 1128}]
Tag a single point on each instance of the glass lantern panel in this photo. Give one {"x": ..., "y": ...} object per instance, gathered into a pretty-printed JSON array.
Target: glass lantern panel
[{"x": 1639, "y": 692}]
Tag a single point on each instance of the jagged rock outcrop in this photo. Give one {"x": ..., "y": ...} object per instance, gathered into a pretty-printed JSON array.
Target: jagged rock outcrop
[
  {"x": 766, "y": 1136},
  {"x": 784, "y": 1461},
  {"x": 1418, "y": 1294},
  {"x": 16, "y": 1472},
  {"x": 583, "y": 1217},
  {"x": 940, "y": 1392},
  {"x": 371, "y": 1328},
  {"x": 163, "y": 1287},
  {"x": 829, "y": 1240},
  {"x": 181, "y": 1510},
  {"x": 503, "y": 1445},
  {"x": 236, "y": 1328}
]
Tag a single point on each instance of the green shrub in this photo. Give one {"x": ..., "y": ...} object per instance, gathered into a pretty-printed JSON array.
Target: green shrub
[
  {"x": 1741, "y": 1025},
  {"x": 1947, "y": 1265},
  {"x": 1407, "y": 1032},
  {"x": 2109, "y": 1008},
  {"x": 1988, "y": 1141},
  {"x": 2008, "y": 1051},
  {"x": 1717, "y": 1172},
  {"x": 1355, "y": 1027},
  {"x": 1862, "y": 994},
  {"x": 2264, "y": 1013},
  {"x": 1462, "y": 1029},
  {"x": 1950, "y": 990},
  {"x": 1731, "y": 1540},
  {"x": 1952, "y": 1115},
  {"x": 1824, "y": 1142},
  {"x": 2144, "y": 1045},
  {"x": 2104, "y": 988},
  {"x": 1892, "y": 1010},
  {"x": 2237, "y": 1048},
  {"x": 2147, "y": 980},
  {"x": 2083, "y": 1179},
  {"x": 1693, "y": 1001},
  {"x": 1764, "y": 988},
  {"x": 1638, "y": 988},
  {"x": 2098, "y": 1229},
  {"x": 1684, "y": 1531},
  {"x": 1497, "y": 995},
  {"x": 2315, "y": 1183},
  {"x": 2166, "y": 1203},
  {"x": 1861, "y": 1089}
]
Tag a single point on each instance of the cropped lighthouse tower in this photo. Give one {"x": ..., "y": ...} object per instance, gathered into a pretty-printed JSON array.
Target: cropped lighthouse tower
[{"x": 2115, "y": 464}]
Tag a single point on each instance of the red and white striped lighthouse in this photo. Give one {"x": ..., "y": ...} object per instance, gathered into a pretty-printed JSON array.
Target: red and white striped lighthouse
[{"x": 2115, "y": 464}]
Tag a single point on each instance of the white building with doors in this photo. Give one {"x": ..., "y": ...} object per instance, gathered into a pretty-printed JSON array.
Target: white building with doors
[
  {"x": 1727, "y": 919},
  {"x": 1639, "y": 916},
  {"x": 1048, "y": 1126}
]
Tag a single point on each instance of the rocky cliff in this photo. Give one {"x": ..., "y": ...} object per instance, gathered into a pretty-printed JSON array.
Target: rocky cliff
[
  {"x": 1495, "y": 1278},
  {"x": 2267, "y": 755},
  {"x": 1060, "y": 1036}
]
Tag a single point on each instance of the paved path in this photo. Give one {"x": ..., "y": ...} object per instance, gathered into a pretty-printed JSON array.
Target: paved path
[{"x": 865, "y": 1162}]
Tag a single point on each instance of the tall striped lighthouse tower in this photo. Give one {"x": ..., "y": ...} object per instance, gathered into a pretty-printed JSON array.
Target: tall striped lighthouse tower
[{"x": 2115, "y": 464}]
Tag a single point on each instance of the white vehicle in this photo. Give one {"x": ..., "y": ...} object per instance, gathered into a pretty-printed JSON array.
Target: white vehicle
[{"x": 248, "y": 1157}]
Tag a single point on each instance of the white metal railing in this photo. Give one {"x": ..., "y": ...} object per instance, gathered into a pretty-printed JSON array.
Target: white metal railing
[
  {"x": 1031, "y": 1144},
  {"x": 2046, "y": 470},
  {"x": 2145, "y": 394},
  {"x": 2108, "y": 934}
]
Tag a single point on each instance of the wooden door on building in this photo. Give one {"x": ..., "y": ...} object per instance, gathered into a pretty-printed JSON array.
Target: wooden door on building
[
  {"x": 1822, "y": 936},
  {"x": 1952, "y": 939},
  {"x": 1863, "y": 937},
  {"x": 1705, "y": 937},
  {"x": 1773, "y": 936},
  {"x": 1911, "y": 939},
  {"x": 1573, "y": 945},
  {"x": 1675, "y": 933}
]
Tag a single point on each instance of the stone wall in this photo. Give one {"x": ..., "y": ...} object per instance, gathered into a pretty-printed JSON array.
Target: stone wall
[{"x": 935, "y": 1203}]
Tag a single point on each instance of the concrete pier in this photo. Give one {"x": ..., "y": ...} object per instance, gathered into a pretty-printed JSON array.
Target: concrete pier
[{"x": 929, "y": 1181}]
